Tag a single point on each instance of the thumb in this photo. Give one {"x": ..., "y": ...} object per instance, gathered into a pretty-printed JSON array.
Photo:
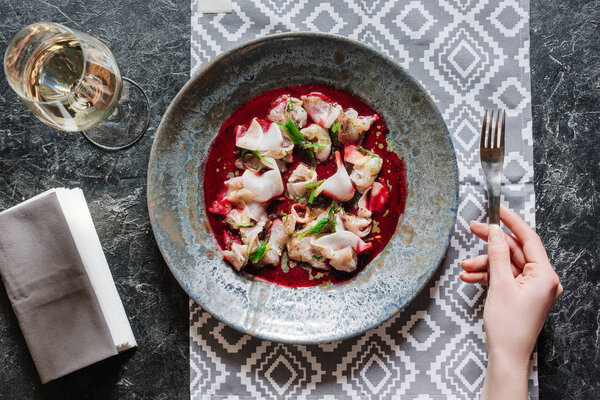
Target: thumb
[{"x": 498, "y": 256}]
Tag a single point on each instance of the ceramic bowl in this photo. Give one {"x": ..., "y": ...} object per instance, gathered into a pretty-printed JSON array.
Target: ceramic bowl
[{"x": 323, "y": 313}]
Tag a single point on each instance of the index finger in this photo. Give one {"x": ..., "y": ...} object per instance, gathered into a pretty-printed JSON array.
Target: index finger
[{"x": 532, "y": 244}]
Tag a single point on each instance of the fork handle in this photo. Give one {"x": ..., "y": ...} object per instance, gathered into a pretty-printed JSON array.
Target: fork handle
[{"x": 494, "y": 209}]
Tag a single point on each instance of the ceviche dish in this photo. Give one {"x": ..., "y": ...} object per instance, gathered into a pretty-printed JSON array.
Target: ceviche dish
[{"x": 301, "y": 188}]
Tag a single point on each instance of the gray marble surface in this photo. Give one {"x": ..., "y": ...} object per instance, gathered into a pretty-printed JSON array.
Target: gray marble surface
[
  {"x": 151, "y": 42},
  {"x": 565, "y": 64}
]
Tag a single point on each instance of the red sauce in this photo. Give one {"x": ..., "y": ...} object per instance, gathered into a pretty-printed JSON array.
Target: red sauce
[{"x": 220, "y": 166}]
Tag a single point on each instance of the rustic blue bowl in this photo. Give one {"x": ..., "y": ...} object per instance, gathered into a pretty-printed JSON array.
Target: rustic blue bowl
[{"x": 310, "y": 314}]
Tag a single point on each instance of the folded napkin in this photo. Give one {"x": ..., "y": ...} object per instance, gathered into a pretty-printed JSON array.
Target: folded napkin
[{"x": 59, "y": 284}]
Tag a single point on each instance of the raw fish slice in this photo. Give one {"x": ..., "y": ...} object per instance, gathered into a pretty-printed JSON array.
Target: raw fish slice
[
  {"x": 286, "y": 108},
  {"x": 338, "y": 186},
  {"x": 255, "y": 138},
  {"x": 300, "y": 177},
  {"x": 353, "y": 127},
  {"x": 339, "y": 240},
  {"x": 320, "y": 109},
  {"x": 264, "y": 186},
  {"x": 237, "y": 256},
  {"x": 361, "y": 227},
  {"x": 316, "y": 134}
]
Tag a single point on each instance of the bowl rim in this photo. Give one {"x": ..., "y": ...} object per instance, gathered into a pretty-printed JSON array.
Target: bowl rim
[{"x": 198, "y": 75}]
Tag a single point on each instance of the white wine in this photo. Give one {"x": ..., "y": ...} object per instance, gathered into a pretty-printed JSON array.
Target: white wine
[
  {"x": 55, "y": 71},
  {"x": 69, "y": 85},
  {"x": 71, "y": 82}
]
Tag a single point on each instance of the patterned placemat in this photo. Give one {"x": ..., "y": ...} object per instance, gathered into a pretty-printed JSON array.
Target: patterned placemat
[{"x": 470, "y": 55}]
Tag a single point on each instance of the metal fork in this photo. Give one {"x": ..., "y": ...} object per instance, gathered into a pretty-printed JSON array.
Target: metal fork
[{"x": 492, "y": 159}]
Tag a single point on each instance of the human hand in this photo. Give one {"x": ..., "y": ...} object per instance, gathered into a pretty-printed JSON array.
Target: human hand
[{"x": 522, "y": 290}]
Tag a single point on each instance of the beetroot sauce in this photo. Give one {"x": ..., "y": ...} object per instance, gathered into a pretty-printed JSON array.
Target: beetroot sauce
[{"x": 220, "y": 166}]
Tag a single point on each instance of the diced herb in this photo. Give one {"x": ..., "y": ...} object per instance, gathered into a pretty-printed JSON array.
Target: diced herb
[
  {"x": 258, "y": 253},
  {"x": 316, "y": 257},
  {"x": 331, "y": 216},
  {"x": 335, "y": 127},
  {"x": 293, "y": 100},
  {"x": 285, "y": 262},
  {"x": 319, "y": 275},
  {"x": 376, "y": 227},
  {"x": 369, "y": 152}
]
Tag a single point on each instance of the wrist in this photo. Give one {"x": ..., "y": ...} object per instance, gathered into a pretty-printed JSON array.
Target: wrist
[
  {"x": 519, "y": 360},
  {"x": 506, "y": 377}
]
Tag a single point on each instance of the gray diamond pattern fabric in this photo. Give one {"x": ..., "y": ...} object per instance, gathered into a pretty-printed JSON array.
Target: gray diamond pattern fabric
[{"x": 470, "y": 55}]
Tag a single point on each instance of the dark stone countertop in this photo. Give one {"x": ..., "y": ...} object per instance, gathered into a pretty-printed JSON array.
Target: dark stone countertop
[
  {"x": 151, "y": 43},
  {"x": 565, "y": 66}
]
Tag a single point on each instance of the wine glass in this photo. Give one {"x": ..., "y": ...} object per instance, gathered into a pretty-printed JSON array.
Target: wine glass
[{"x": 71, "y": 82}]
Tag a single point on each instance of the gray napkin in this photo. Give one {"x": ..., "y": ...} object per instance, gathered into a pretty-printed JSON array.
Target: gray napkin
[{"x": 50, "y": 291}]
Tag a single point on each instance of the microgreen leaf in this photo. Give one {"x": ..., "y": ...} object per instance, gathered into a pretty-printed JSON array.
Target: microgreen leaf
[
  {"x": 335, "y": 127},
  {"x": 258, "y": 253}
]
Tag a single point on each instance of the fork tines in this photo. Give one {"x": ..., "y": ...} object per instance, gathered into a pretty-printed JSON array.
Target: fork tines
[{"x": 492, "y": 141}]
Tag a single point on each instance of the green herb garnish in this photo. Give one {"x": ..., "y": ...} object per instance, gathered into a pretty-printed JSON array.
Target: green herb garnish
[
  {"x": 258, "y": 253},
  {"x": 263, "y": 159},
  {"x": 313, "y": 193},
  {"x": 241, "y": 225},
  {"x": 369, "y": 152},
  {"x": 314, "y": 146},
  {"x": 244, "y": 152},
  {"x": 314, "y": 184},
  {"x": 294, "y": 133},
  {"x": 297, "y": 138},
  {"x": 376, "y": 227},
  {"x": 335, "y": 127},
  {"x": 317, "y": 229}
]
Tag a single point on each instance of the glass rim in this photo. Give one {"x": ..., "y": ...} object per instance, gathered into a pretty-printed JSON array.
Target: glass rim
[{"x": 19, "y": 92}]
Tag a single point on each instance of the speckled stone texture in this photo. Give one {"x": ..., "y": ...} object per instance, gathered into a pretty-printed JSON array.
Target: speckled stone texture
[
  {"x": 565, "y": 64},
  {"x": 151, "y": 43}
]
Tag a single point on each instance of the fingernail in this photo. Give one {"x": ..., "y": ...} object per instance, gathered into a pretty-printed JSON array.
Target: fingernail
[
  {"x": 472, "y": 222},
  {"x": 495, "y": 233}
]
